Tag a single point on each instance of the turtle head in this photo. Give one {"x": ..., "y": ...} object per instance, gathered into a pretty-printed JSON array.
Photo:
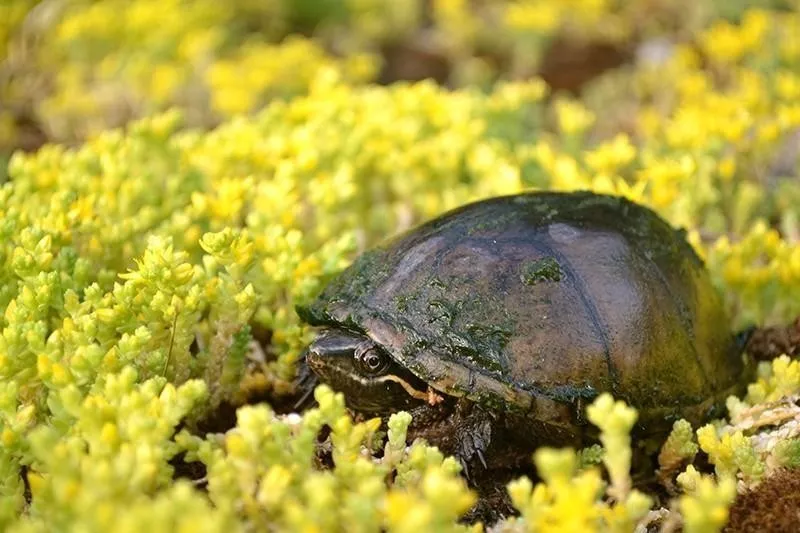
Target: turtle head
[{"x": 371, "y": 380}]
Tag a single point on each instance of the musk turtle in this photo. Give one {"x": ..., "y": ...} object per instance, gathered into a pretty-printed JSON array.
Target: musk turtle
[{"x": 495, "y": 323}]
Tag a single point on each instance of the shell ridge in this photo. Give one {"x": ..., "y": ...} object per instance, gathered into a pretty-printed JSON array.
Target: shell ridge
[
  {"x": 591, "y": 309},
  {"x": 681, "y": 308}
]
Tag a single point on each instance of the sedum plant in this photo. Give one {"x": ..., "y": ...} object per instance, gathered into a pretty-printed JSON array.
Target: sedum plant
[
  {"x": 106, "y": 461},
  {"x": 73, "y": 68},
  {"x": 267, "y": 471},
  {"x": 761, "y": 435},
  {"x": 570, "y": 498}
]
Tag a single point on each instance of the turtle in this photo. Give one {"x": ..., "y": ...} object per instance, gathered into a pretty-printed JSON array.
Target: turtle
[{"x": 496, "y": 323}]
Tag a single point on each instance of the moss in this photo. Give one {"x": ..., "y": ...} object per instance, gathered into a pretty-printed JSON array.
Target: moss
[{"x": 546, "y": 269}]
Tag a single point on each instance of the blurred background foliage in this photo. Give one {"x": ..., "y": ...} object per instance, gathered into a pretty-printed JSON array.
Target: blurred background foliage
[{"x": 72, "y": 68}]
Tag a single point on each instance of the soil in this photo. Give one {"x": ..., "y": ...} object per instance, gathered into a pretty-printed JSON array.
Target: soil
[{"x": 769, "y": 342}]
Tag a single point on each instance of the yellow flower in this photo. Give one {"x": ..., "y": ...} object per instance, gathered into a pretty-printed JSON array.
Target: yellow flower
[
  {"x": 686, "y": 58},
  {"x": 235, "y": 99},
  {"x": 8, "y": 437},
  {"x": 767, "y": 133},
  {"x": 273, "y": 485},
  {"x": 567, "y": 175},
  {"x": 706, "y": 507},
  {"x": 756, "y": 23},
  {"x": 405, "y": 514},
  {"x": 308, "y": 267},
  {"x": 649, "y": 121},
  {"x": 236, "y": 445},
  {"x": 164, "y": 82},
  {"x": 693, "y": 85},
  {"x": 457, "y": 21},
  {"x": 109, "y": 434},
  {"x": 788, "y": 115},
  {"x": 723, "y": 43},
  {"x": 688, "y": 128},
  {"x": 573, "y": 117},
  {"x": 541, "y": 17},
  {"x": 666, "y": 178},
  {"x": 727, "y": 168},
  {"x": 60, "y": 375},
  {"x": 787, "y": 85},
  {"x": 611, "y": 155}
]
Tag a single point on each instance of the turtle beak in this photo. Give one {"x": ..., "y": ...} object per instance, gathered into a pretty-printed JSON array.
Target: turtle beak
[
  {"x": 330, "y": 358},
  {"x": 332, "y": 344}
]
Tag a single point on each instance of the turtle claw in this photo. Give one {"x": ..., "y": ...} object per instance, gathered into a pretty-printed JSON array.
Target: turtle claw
[
  {"x": 481, "y": 458},
  {"x": 473, "y": 434},
  {"x": 464, "y": 467},
  {"x": 305, "y": 384},
  {"x": 303, "y": 401},
  {"x": 470, "y": 450}
]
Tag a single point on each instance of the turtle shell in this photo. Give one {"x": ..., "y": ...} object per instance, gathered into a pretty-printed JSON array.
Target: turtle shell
[{"x": 540, "y": 300}]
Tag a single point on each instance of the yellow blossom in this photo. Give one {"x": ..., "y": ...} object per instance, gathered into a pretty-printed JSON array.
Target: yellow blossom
[
  {"x": 724, "y": 43},
  {"x": 573, "y": 117},
  {"x": 612, "y": 155},
  {"x": 542, "y": 17},
  {"x": 60, "y": 375},
  {"x": 727, "y": 168},
  {"x": 787, "y": 85},
  {"x": 8, "y": 437}
]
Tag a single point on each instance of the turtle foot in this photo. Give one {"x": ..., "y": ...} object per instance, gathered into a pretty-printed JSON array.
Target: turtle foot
[{"x": 473, "y": 435}]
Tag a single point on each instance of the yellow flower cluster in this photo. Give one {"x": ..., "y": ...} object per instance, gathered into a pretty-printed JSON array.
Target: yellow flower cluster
[
  {"x": 105, "y": 63},
  {"x": 779, "y": 379},
  {"x": 704, "y": 506},
  {"x": 544, "y": 17},
  {"x": 762, "y": 269},
  {"x": 112, "y": 444},
  {"x": 78, "y": 67},
  {"x": 728, "y": 43},
  {"x": 107, "y": 461},
  {"x": 263, "y": 470},
  {"x": 259, "y": 72},
  {"x": 572, "y": 499},
  {"x": 759, "y": 438}
]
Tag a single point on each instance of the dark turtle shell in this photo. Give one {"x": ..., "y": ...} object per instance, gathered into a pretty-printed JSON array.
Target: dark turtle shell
[{"x": 537, "y": 301}]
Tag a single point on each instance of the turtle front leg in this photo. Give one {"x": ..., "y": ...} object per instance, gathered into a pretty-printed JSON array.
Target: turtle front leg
[
  {"x": 460, "y": 428},
  {"x": 473, "y": 435},
  {"x": 465, "y": 430}
]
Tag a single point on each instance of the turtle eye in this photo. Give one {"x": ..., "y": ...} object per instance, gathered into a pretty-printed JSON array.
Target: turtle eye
[{"x": 372, "y": 361}]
